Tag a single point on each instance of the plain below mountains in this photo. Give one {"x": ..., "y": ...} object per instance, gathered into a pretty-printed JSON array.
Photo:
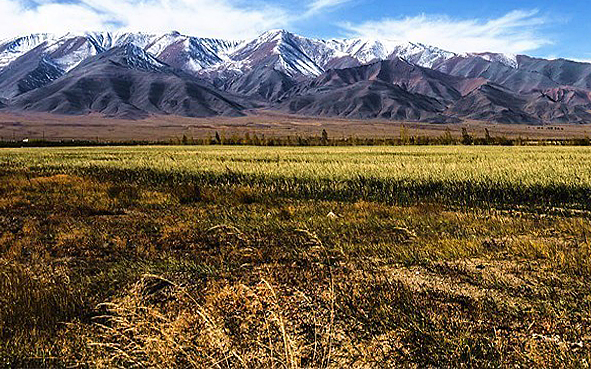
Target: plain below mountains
[{"x": 136, "y": 75}]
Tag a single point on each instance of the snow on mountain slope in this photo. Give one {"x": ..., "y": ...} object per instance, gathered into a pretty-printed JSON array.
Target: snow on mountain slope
[
  {"x": 192, "y": 54},
  {"x": 510, "y": 60},
  {"x": 219, "y": 60},
  {"x": 277, "y": 48},
  {"x": 364, "y": 50},
  {"x": 300, "y": 56},
  {"x": 289, "y": 53},
  {"x": 69, "y": 50},
  {"x": 222, "y": 48},
  {"x": 369, "y": 50},
  {"x": 419, "y": 54},
  {"x": 135, "y": 57},
  {"x": 11, "y": 49}
]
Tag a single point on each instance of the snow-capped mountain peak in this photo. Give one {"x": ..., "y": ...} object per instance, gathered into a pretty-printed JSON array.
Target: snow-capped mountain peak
[
  {"x": 137, "y": 58},
  {"x": 278, "y": 49},
  {"x": 273, "y": 34},
  {"x": 510, "y": 60},
  {"x": 291, "y": 53},
  {"x": 296, "y": 56},
  {"x": 12, "y": 49}
]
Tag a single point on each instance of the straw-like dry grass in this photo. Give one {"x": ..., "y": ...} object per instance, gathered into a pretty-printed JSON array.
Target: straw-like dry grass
[{"x": 289, "y": 258}]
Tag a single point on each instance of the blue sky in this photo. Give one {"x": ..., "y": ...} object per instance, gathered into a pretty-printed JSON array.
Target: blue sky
[{"x": 540, "y": 28}]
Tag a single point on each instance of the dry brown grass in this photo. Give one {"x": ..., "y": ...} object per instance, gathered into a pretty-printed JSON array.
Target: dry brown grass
[
  {"x": 35, "y": 300},
  {"x": 161, "y": 324},
  {"x": 114, "y": 273}
]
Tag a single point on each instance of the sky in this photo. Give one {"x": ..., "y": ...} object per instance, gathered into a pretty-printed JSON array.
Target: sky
[{"x": 540, "y": 28}]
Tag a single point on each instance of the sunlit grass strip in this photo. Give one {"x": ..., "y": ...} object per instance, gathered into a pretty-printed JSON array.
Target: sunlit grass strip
[{"x": 542, "y": 176}]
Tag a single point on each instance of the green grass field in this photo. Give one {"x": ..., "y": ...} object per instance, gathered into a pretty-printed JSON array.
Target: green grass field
[
  {"x": 295, "y": 257},
  {"x": 463, "y": 175}
]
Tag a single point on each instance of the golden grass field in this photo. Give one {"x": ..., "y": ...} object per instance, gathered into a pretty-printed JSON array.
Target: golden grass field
[{"x": 283, "y": 257}]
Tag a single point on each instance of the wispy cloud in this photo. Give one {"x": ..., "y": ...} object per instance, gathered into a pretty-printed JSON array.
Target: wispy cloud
[
  {"x": 316, "y": 6},
  {"x": 584, "y": 57},
  {"x": 220, "y": 18},
  {"x": 515, "y": 32},
  {"x": 16, "y": 18}
]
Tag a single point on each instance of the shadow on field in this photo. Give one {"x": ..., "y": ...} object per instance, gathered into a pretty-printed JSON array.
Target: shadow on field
[{"x": 399, "y": 192}]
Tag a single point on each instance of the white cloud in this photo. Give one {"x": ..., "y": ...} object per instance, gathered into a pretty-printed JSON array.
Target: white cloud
[
  {"x": 578, "y": 60},
  {"x": 583, "y": 58},
  {"x": 16, "y": 19},
  {"x": 317, "y": 6},
  {"x": 219, "y": 18},
  {"x": 516, "y": 32},
  {"x": 231, "y": 19}
]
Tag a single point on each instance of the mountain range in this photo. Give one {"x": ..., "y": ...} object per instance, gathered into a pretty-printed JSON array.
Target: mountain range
[{"x": 134, "y": 75}]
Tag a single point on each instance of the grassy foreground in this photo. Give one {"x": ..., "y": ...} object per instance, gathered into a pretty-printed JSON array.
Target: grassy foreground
[{"x": 295, "y": 257}]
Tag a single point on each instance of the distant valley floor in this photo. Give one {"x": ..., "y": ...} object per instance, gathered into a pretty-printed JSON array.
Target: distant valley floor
[{"x": 17, "y": 126}]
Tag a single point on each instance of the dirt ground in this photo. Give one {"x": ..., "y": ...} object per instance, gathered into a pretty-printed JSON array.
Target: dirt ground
[{"x": 18, "y": 126}]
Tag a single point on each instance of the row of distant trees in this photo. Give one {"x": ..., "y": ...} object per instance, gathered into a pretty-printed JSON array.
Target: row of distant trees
[
  {"x": 447, "y": 138},
  {"x": 323, "y": 139}
]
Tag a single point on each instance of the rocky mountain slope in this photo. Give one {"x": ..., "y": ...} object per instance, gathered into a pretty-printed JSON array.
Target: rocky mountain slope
[
  {"x": 294, "y": 55},
  {"x": 137, "y": 74},
  {"x": 127, "y": 82}
]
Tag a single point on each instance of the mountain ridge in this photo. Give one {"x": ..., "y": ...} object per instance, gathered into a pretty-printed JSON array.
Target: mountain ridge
[
  {"x": 363, "y": 78},
  {"x": 217, "y": 51},
  {"x": 124, "y": 83}
]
